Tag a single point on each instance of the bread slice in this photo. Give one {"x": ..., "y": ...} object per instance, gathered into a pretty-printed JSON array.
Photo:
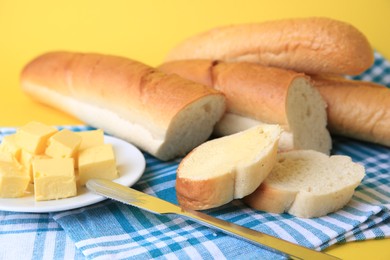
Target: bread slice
[
  {"x": 164, "y": 115},
  {"x": 307, "y": 184},
  {"x": 226, "y": 168},
  {"x": 257, "y": 94},
  {"x": 312, "y": 45}
]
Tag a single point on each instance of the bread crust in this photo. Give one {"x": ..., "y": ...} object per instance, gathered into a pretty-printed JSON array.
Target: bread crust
[
  {"x": 204, "y": 194},
  {"x": 258, "y": 92},
  {"x": 137, "y": 95},
  {"x": 311, "y": 45},
  {"x": 356, "y": 109},
  {"x": 98, "y": 78},
  {"x": 253, "y": 91}
]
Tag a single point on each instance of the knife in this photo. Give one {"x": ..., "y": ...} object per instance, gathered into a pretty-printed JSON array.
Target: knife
[{"x": 155, "y": 205}]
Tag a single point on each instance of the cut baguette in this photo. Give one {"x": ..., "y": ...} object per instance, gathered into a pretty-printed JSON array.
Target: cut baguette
[
  {"x": 164, "y": 115},
  {"x": 356, "y": 108},
  {"x": 311, "y": 45},
  {"x": 226, "y": 168},
  {"x": 263, "y": 95},
  {"x": 307, "y": 184}
]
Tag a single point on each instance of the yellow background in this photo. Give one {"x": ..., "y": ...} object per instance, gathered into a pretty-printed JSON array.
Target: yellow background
[{"x": 146, "y": 31}]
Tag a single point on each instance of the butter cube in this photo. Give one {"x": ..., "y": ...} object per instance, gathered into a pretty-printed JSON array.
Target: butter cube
[
  {"x": 63, "y": 144},
  {"x": 33, "y": 137},
  {"x": 13, "y": 180},
  {"x": 91, "y": 138},
  {"x": 6, "y": 156},
  {"x": 9, "y": 145},
  {"x": 54, "y": 179},
  {"x": 97, "y": 162},
  {"x": 26, "y": 159}
]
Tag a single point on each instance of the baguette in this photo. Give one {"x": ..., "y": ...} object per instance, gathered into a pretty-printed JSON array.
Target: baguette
[
  {"x": 314, "y": 45},
  {"x": 257, "y": 94},
  {"x": 164, "y": 115},
  {"x": 226, "y": 168},
  {"x": 356, "y": 109},
  {"x": 307, "y": 184}
]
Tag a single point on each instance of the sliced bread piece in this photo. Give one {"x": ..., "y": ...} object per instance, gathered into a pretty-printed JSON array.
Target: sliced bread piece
[
  {"x": 307, "y": 184},
  {"x": 226, "y": 168}
]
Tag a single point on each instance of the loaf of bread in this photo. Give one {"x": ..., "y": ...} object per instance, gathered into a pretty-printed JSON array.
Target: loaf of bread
[
  {"x": 164, "y": 115},
  {"x": 257, "y": 94},
  {"x": 307, "y": 184},
  {"x": 311, "y": 45},
  {"x": 226, "y": 168},
  {"x": 356, "y": 109}
]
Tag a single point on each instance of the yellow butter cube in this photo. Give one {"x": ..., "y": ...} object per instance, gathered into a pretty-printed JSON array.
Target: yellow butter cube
[
  {"x": 91, "y": 138},
  {"x": 9, "y": 145},
  {"x": 63, "y": 144},
  {"x": 6, "y": 156},
  {"x": 33, "y": 137},
  {"x": 26, "y": 159},
  {"x": 97, "y": 162},
  {"x": 54, "y": 179},
  {"x": 13, "y": 180}
]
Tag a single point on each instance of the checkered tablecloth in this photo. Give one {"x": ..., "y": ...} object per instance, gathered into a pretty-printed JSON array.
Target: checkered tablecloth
[{"x": 111, "y": 230}]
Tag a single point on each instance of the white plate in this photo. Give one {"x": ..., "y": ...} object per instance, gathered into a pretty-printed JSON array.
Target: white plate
[{"x": 131, "y": 166}]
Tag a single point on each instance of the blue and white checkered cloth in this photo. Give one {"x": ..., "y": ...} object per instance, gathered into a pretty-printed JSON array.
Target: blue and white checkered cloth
[{"x": 111, "y": 230}]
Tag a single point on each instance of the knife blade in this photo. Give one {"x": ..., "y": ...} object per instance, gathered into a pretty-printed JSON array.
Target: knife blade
[{"x": 155, "y": 205}]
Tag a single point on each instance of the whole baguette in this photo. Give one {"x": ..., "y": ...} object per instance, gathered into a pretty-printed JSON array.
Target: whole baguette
[
  {"x": 356, "y": 109},
  {"x": 311, "y": 45},
  {"x": 164, "y": 115},
  {"x": 257, "y": 94},
  {"x": 307, "y": 184}
]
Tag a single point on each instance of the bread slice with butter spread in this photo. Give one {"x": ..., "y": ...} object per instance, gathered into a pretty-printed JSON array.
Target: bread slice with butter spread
[{"x": 226, "y": 168}]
